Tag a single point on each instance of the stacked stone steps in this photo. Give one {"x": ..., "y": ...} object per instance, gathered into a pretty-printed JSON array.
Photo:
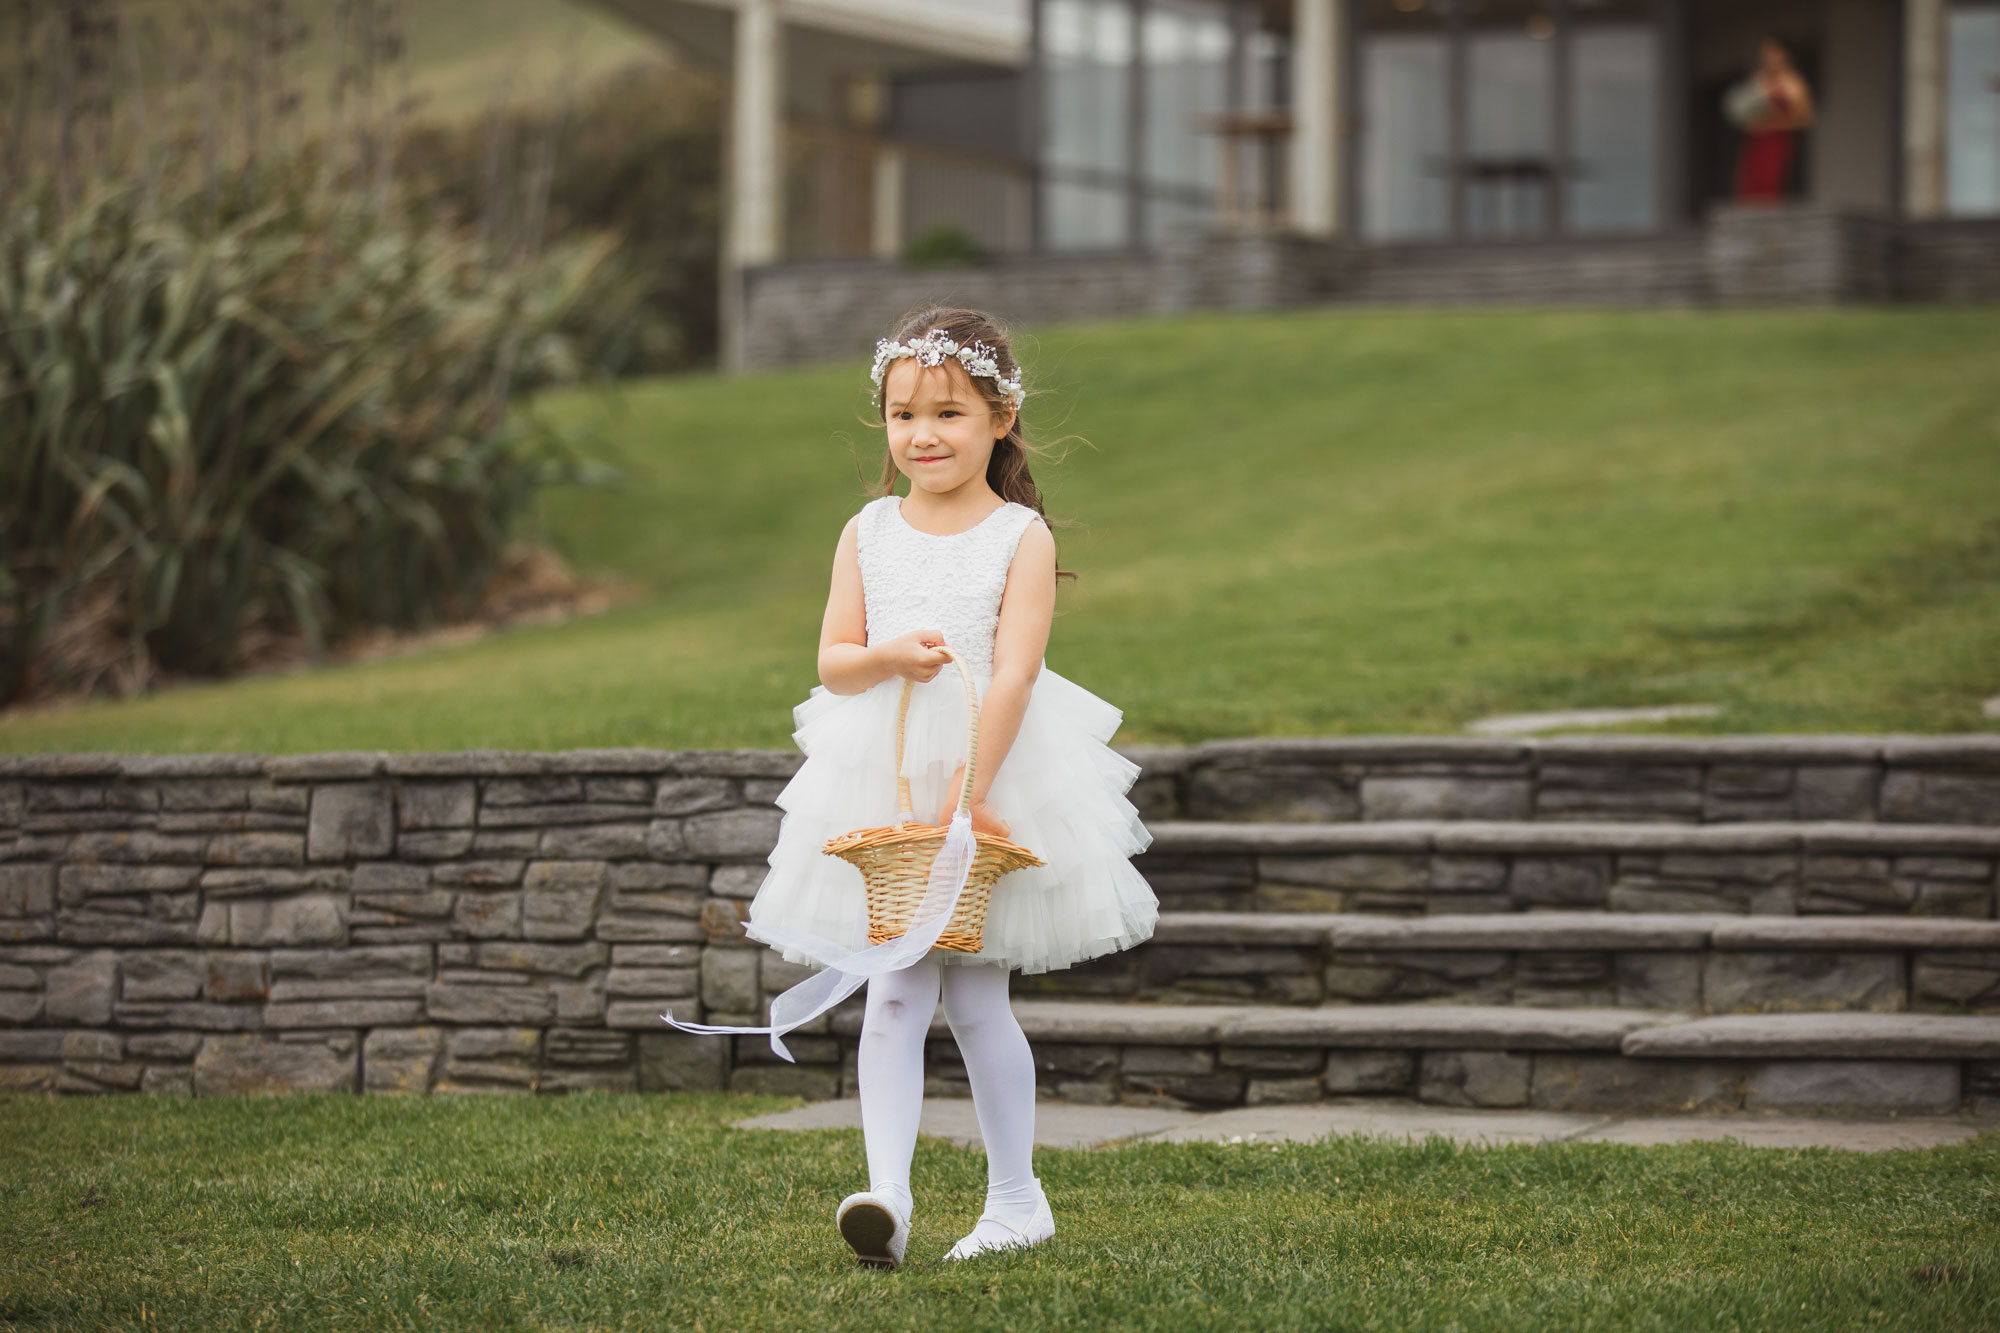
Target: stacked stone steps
[
  {"x": 1599, "y": 1059},
  {"x": 1694, "y": 962},
  {"x": 1605, "y": 924}
]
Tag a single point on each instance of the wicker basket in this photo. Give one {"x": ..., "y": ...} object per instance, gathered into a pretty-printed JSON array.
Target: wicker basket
[{"x": 895, "y": 860}]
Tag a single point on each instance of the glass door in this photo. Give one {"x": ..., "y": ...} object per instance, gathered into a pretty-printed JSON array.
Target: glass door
[
  {"x": 1086, "y": 71},
  {"x": 1613, "y": 182},
  {"x": 1972, "y": 111},
  {"x": 1406, "y": 148},
  {"x": 1186, "y": 46},
  {"x": 1508, "y": 171}
]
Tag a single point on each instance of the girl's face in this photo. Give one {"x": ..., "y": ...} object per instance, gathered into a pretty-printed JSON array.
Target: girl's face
[{"x": 941, "y": 429}]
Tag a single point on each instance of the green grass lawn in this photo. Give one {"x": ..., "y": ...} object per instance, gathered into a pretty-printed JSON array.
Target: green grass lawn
[
  {"x": 1315, "y": 522},
  {"x": 646, "y": 1212}
]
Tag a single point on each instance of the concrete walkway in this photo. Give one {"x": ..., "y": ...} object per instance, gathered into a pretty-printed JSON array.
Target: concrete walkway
[{"x": 1063, "y": 1125}]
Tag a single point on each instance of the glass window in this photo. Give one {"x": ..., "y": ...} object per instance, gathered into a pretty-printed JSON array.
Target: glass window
[
  {"x": 1083, "y": 217},
  {"x": 1405, "y": 136},
  {"x": 1086, "y": 64},
  {"x": 1972, "y": 111},
  {"x": 1266, "y": 65},
  {"x": 1088, "y": 172},
  {"x": 1087, "y": 51},
  {"x": 1549, "y": 91},
  {"x": 1614, "y": 171},
  {"x": 1186, "y": 48}
]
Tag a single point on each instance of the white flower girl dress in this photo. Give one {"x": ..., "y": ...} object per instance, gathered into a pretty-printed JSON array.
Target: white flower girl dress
[{"x": 1060, "y": 786}]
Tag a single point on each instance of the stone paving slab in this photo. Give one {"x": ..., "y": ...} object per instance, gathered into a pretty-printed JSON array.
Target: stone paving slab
[
  {"x": 1057, "y": 1124},
  {"x": 1526, "y": 930},
  {"x": 1413, "y": 1120},
  {"x": 1428, "y": 1025},
  {"x": 1064, "y": 1125},
  {"x": 1447, "y": 1026},
  {"x": 1550, "y": 836},
  {"x": 1579, "y": 929},
  {"x": 1268, "y": 929},
  {"x": 1824, "y": 1036},
  {"x": 1854, "y": 932}
]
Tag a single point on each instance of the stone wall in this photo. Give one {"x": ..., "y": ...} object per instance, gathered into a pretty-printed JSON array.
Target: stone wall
[
  {"x": 375, "y": 922},
  {"x": 1950, "y": 261},
  {"x": 1670, "y": 271},
  {"x": 827, "y": 310},
  {"x": 480, "y": 920},
  {"x": 1799, "y": 256},
  {"x": 824, "y": 310}
]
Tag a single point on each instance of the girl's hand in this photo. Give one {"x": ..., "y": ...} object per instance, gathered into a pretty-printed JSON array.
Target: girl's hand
[
  {"x": 915, "y": 655},
  {"x": 985, "y": 819}
]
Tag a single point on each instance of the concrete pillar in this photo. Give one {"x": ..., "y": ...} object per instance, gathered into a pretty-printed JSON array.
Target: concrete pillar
[
  {"x": 754, "y": 228},
  {"x": 1923, "y": 107},
  {"x": 756, "y": 187},
  {"x": 1318, "y": 47},
  {"x": 886, "y": 213}
]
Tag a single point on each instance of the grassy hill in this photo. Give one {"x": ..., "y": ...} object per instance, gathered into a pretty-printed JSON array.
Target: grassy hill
[
  {"x": 460, "y": 56},
  {"x": 1312, "y": 522}
]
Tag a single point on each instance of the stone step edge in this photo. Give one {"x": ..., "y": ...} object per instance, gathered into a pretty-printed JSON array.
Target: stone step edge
[
  {"x": 1974, "y": 747},
  {"x": 1516, "y": 931},
  {"x": 1978, "y": 748},
  {"x": 1480, "y": 836},
  {"x": 1629, "y": 1032}
]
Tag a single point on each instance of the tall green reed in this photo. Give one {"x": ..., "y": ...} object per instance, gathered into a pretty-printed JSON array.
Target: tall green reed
[{"x": 251, "y": 386}]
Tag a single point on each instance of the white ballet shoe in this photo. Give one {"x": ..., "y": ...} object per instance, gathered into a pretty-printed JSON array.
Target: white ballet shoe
[
  {"x": 1040, "y": 1228},
  {"x": 872, "y": 1224}
]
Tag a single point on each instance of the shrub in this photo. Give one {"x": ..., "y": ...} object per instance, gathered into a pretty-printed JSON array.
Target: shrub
[
  {"x": 941, "y": 246},
  {"x": 266, "y": 408},
  {"x": 638, "y": 154}
]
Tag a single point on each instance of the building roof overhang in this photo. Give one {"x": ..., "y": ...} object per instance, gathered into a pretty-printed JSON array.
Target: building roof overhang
[{"x": 860, "y": 36}]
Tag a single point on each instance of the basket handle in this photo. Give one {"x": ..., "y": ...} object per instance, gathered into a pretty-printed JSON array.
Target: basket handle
[{"x": 904, "y": 812}]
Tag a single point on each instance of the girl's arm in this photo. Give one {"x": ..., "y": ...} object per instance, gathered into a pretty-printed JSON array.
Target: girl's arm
[
  {"x": 1802, "y": 110},
  {"x": 1027, "y": 608}
]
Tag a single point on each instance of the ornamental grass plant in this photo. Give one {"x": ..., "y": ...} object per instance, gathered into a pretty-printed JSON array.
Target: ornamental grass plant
[
  {"x": 295, "y": 417},
  {"x": 259, "y": 392}
]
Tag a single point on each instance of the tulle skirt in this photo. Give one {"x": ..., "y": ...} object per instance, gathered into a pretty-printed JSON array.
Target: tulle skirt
[{"x": 1061, "y": 788}]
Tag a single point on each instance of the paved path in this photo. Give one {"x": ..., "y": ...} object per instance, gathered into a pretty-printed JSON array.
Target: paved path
[{"x": 1062, "y": 1125}]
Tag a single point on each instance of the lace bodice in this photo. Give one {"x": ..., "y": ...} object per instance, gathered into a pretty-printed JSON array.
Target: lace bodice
[{"x": 914, "y": 580}]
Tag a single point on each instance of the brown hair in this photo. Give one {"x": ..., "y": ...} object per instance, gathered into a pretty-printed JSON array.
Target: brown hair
[{"x": 1007, "y": 470}]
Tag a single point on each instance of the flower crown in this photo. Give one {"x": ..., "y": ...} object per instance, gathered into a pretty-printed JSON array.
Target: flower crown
[{"x": 934, "y": 347}]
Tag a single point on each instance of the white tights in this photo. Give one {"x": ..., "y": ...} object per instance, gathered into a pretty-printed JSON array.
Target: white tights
[{"x": 997, "y": 1063}]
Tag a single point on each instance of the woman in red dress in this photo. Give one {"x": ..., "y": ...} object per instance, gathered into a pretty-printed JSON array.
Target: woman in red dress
[{"x": 1770, "y": 141}]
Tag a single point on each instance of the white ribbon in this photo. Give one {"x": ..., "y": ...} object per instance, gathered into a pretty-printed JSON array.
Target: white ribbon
[{"x": 845, "y": 969}]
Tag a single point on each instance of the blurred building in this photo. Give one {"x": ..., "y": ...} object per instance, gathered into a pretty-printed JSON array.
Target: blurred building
[{"x": 1094, "y": 150}]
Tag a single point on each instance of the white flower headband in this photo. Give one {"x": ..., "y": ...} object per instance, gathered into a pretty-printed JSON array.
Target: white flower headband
[{"x": 934, "y": 347}]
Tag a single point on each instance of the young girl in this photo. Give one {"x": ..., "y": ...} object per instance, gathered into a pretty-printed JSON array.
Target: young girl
[{"x": 964, "y": 565}]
